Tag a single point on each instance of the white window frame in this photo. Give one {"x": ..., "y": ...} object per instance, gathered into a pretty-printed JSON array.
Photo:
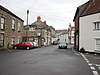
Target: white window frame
[
  {"x": 13, "y": 40},
  {"x": 19, "y": 26},
  {"x": 97, "y": 43},
  {"x": 2, "y": 23},
  {"x": 13, "y": 24},
  {"x": 97, "y": 25}
]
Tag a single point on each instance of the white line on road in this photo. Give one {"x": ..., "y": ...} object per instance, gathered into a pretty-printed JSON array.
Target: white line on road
[
  {"x": 90, "y": 64},
  {"x": 99, "y": 67},
  {"x": 95, "y": 73},
  {"x": 87, "y": 61},
  {"x": 92, "y": 68},
  {"x": 84, "y": 57}
]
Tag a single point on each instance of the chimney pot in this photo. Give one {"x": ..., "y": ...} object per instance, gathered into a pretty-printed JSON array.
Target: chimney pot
[{"x": 38, "y": 18}]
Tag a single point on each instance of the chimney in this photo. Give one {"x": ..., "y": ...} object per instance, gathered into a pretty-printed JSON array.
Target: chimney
[
  {"x": 69, "y": 24},
  {"x": 45, "y": 22},
  {"x": 38, "y": 18}
]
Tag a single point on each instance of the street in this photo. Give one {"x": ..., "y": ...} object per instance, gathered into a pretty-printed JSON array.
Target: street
[{"x": 47, "y": 61}]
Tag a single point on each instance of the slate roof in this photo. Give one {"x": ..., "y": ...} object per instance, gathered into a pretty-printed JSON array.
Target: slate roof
[
  {"x": 39, "y": 24},
  {"x": 81, "y": 9},
  {"x": 9, "y": 12},
  {"x": 93, "y": 8}
]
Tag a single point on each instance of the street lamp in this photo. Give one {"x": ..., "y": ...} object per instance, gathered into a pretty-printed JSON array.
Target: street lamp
[{"x": 27, "y": 26}]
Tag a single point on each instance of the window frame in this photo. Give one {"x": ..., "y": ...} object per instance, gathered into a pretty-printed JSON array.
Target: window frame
[
  {"x": 2, "y": 23},
  {"x": 13, "y": 24},
  {"x": 13, "y": 40},
  {"x": 97, "y": 43},
  {"x": 19, "y": 26},
  {"x": 19, "y": 39},
  {"x": 97, "y": 25},
  {"x": 2, "y": 40}
]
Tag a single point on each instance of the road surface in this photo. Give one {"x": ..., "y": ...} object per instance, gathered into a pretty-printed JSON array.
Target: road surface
[{"x": 43, "y": 61}]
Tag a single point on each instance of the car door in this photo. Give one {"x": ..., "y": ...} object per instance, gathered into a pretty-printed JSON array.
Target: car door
[{"x": 21, "y": 45}]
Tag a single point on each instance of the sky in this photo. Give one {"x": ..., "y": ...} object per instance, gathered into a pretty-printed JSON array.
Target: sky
[{"x": 57, "y": 13}]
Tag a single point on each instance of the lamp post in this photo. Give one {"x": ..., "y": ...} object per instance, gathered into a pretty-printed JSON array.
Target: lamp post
[{"x": 27, "y": 26}]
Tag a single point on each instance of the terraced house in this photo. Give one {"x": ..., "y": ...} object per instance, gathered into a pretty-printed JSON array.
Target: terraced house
[
  {"x": 87, "y": 26},
  {"x": 11, "y": 28}
]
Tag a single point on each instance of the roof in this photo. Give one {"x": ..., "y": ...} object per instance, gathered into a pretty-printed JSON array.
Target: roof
[
  {"x": 39, "y": 24},
  {"x": 52, "y": 28},
  {"x": 80, "y": 10},
  {"x": 6, "y": 10},
  {"x": 93, "y": 8}
]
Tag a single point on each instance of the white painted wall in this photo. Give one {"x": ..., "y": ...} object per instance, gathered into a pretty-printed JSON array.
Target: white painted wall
[
  {"x": 87, "y": 34},
  {"x": 62, "y": 38},
  {"x": 72, "y": 35}
]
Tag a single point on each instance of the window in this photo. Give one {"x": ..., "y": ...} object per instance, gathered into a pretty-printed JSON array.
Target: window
[
  {"x": 13, "y": 40},
  {"x": 98, "y": 43},
  {"x": 2, "y": 23},
  {"x": 18, "y": 39},
  {"x": 13, "y": 24},
  {"x": 97, "y": 25},
  {"x": 19, "y": 26},
  {"x": 31, "y": 29},
  {"x": 2, "y": 40}
]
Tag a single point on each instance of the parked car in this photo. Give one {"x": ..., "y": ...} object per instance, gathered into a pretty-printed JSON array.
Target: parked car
[
  {"x": 55, "y": 42},
  {"x": 25, "y": 45},
  {"x": 35, "y": 45},
  {"x": 62, "y": 45}
]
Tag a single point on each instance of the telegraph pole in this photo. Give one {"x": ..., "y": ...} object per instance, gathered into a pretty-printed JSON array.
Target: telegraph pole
[{"x": 27, "y": 26}]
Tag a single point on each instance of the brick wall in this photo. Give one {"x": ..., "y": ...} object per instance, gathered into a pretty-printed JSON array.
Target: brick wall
[{"x": 8, "y": 32}]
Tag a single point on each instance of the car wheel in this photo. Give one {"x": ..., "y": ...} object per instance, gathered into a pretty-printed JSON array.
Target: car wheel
[
  {"x": 59, "y": 47},
  {"x": 66, "y": 47},
  {"x": 15, "y": 47},
  {"x": 27, "y": 48}
]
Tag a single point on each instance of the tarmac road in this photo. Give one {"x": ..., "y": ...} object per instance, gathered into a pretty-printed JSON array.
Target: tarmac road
[{"x": 43, "y": 61}]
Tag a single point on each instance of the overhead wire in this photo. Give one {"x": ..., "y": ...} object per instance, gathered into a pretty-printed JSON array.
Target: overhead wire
[
  {"x": 49, "y": 17},
  {"x": 33, "y": 4},
  {"x": 53, "y": 18}
]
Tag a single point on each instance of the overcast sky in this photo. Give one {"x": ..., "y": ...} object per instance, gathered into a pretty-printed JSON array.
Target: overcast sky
[{"x": 57, "y": 13}]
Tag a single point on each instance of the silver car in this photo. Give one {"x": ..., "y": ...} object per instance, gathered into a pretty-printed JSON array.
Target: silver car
[{"x": 62, "y": 45}]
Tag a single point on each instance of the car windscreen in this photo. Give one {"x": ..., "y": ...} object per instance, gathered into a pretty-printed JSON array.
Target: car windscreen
[{"x": 62, "y": 42}]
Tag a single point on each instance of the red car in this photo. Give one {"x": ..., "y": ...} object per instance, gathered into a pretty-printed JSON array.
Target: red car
[
  {"x": 55, "y": 42},
  {"x": 26, "y": 45}
]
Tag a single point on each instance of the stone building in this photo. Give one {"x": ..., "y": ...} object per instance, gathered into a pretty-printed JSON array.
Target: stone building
[
  {"x": 11, "y": 28},
  {"x": 39, "y": 32}
]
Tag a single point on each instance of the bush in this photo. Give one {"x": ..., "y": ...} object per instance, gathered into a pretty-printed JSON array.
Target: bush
[{"x": 82, "y": 50}]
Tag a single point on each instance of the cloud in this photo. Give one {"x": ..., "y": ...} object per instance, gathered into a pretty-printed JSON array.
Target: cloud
[{"x": 57, "y": 13}]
